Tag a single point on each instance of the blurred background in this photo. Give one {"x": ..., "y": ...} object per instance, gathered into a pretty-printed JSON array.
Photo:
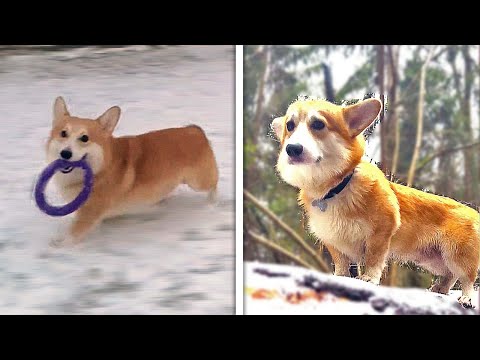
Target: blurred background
[
  {"x": 429, "y": 136},
  {"x": 177, "y": 258}
]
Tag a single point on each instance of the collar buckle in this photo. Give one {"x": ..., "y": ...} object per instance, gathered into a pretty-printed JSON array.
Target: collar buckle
[{"x": 322, "y": 203}]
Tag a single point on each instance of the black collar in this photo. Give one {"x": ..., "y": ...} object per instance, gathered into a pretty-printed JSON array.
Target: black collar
[{"x": 338, "y": 189}]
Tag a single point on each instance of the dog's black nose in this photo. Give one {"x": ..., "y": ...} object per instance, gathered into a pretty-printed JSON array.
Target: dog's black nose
[
  {"x": 294, "y": 150},
  {"x": 66, "y": 154}
]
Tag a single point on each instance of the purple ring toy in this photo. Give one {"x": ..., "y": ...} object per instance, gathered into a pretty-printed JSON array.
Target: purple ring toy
[{"x": 50, "y": 170}]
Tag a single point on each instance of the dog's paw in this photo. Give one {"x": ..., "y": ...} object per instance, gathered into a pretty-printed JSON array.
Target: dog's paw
[
  {"x": 342, "y": 273},
  {"x": 64, "y": 241},
  {"x": 466, "y": 302},
  {"x": 71, "y": 241},
  {"x": 365, "y": 278},
  {"x": 368, "y": 278},
  {"x": 437, "y": 288},
  {"x": 57, "y": 242}
]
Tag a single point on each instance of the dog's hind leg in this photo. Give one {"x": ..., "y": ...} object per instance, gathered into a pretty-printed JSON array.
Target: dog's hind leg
[
  {"x": 204, "y": 178},
  {"x": 467, "y": 291},
  {"x": 463, "y": 262},
  {"x": 212, "y": 195},
  {"x": 444, "y": 283}
]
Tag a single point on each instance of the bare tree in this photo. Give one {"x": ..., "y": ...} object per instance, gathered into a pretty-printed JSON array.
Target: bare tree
[{"x": 418, "y": 138}]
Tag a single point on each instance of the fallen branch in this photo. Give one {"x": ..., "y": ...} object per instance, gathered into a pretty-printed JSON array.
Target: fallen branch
[
  {"x": 320, "y": 262},
  {"x": 444, "y": 152},
  {"x": 271, "y": 245}
]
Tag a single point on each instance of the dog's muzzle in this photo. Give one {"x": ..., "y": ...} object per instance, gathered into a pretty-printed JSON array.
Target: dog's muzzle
[{"x": 67, "y": 169}]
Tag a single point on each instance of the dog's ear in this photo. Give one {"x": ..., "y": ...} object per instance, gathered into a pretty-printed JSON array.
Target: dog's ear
[
  {"x": 277, "y": 126},
  {"x": 360, "y": 115},
  {"x": 109, "y": 119},
  {"x": 59, "y": 110}
]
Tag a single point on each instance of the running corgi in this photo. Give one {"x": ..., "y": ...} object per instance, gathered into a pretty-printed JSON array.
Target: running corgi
[
  {"x": 129, "y": 170},
  {"x": 357, "y": 213}
]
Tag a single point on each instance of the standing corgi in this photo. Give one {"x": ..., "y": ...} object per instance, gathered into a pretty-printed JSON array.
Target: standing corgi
[
  {"x": 129, "y": 170},
  {"x": 357, "y": 213}
]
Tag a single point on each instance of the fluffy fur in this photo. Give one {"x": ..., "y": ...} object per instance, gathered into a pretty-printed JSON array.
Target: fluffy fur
[
  {"x": 373, "y": 219},
  {"x": 128, "y": 171}
]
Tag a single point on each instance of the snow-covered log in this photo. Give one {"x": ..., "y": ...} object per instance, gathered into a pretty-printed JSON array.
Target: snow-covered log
[{"x": 280, "y": 289}]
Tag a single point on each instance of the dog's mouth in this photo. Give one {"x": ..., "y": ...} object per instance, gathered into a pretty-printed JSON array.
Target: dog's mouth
[
  {"x": 302, "y": 160},
  {"x": 67, "y": 169},
  {"x": 296, "y": 160}
]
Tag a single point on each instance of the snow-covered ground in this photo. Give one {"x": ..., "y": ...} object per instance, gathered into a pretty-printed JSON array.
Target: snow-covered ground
[
  {"x": 280, "y": 289},
  {"x": 177, "y": 257}
]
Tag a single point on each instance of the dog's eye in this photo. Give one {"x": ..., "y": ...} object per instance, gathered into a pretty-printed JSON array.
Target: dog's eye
[
  {"x": 290, "y": 125},
  {"x": 317, "y": 125},
  {"x": 83, "y": 138},
  {"x": 63, "y": 133}
]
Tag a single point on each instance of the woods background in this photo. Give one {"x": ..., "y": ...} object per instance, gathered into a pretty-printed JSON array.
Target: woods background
[{"x": 429, "y": 136}]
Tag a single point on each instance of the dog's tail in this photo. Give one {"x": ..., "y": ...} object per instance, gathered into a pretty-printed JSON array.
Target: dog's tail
[
  {"x": 202, "y": 131},
  {"x": 197, "y": 127}
]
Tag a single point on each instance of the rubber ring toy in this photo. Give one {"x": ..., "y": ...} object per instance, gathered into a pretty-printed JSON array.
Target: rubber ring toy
[{"x": 50, "y": 170}]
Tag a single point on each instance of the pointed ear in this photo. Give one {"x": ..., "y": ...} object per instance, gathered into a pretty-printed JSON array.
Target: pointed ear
[
  {"x": 277, "y": 126},
  {"x": 109, "y": 119},
  {"x": 59, "y": 110},
  {"x": 359, "y": 116}
]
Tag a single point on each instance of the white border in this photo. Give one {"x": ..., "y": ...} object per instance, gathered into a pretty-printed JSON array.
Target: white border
[{"x": 239, "y": 179}]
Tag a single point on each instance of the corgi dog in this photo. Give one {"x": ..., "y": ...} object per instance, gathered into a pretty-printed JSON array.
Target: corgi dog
[
  {"x": 357, "y": 213},
  {"x": 128, "y": 170}
]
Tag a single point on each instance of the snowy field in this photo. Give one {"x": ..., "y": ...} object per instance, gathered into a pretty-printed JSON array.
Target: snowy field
[
  {"x": 177, "y": 257},
  {"x": 281, "y": 289}
]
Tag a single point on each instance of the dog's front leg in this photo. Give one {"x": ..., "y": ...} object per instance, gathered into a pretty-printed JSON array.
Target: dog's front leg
[
  {"x": 340, "y": 260},
  {"x": 84, "y": 222},
  {"x": 376, "y": 251},
  {"x": 86, "y": 219}
]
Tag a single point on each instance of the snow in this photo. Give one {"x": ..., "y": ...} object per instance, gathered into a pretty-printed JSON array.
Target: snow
[
  {"x": 275, "y": 289},
  {"x": 177, "y": 257}
]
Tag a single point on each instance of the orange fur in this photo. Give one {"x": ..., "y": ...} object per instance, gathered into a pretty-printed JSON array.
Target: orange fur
[
  {"x": 129, "y": 170},
  {"x": 372, "y": 219}
]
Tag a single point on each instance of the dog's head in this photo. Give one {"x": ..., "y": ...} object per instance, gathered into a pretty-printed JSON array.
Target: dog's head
[
  {"x": 71, "y": 138},
  {"x": 321, "y": 141}
]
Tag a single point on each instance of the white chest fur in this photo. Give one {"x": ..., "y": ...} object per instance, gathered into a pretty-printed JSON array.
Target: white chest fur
[
  {"x": 69, "y": 185},
  {"x": 334, "y": 227}
]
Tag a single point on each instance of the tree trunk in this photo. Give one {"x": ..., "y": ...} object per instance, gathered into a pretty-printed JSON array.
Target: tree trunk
[
  {"x": 393, "y": 132},
  {"x": 259, "y": 111},
  {"x": 381, "y": 90},
  {"x": 261, "y": 92},
  {"x": 327, "y": 76},
  {"x": 418, "y": 138},
  {"x": 393, "y": 110},
  {"x": 396, "y": 147},
  {"x": 469, "y": 184},
  {"x": 477, "y": 199},
  {"x": 250, "y": 247}
]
